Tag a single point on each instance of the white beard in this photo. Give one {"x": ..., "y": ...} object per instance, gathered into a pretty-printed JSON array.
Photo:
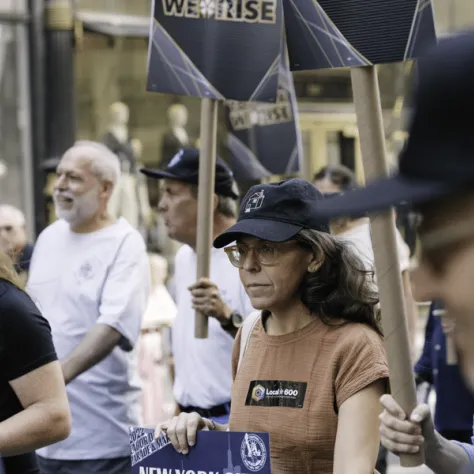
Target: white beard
[{"x": 82, "y": 208}]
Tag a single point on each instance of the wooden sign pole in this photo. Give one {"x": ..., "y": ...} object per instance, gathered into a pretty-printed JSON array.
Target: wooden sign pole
[
  {"x": 207, "y": 171},
  {"x": 372, "y": 141}
]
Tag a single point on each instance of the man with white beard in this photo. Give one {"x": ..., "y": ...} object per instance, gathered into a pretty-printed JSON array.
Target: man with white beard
[{"x": 90, "y": 276}]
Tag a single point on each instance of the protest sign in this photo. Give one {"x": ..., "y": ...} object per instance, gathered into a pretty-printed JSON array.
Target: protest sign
[
  {"x": 217, "y": 49},
  {"x": 348, "y": 33},
  {"x": 265, "y": 139},
  {"x": 360, "y": 34},
  {"x": 215, "y": 452}
]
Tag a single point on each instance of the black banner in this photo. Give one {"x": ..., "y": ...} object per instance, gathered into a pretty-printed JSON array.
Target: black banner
[
  {"x": 347, "y": 33},
  {"x": 265, "y": 139},
  {"x": 221, "y": 49},
  {"x": 276, "y": 393}
]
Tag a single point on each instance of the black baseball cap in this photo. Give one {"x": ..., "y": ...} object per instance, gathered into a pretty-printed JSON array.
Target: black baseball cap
[
  {"x": 277, "y": 212},
  {"x": 184, "y": 166},
  {"x": 438, "y": 158}
]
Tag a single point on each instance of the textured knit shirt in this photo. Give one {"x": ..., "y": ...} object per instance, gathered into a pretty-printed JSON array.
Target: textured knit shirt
[{"x": 291, "y": 386}]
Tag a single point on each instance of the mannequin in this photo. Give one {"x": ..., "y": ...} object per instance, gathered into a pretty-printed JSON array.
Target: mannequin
[
  {"x": 154, "y": 350},
  {"x": 177, "y": 136},
  {"x": 141, "y": 184},
  {"x": 130, "y": 197},
  {"x": 117, "y": 136}
]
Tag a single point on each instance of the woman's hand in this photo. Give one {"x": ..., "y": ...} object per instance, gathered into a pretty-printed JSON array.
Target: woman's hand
[{"x": 181, "y": 430}]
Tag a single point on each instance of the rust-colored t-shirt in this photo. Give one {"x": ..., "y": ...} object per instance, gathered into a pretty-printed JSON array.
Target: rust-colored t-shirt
[{"x": 292, "y": 385}]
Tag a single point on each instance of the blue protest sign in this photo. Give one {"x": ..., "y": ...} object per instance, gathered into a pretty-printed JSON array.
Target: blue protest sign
[
  {"x": 215, "y": 452},
  {"x": 216, "y": 49},
  {"x": 265, "y": 139},
  {"x": 349, "y": 33}
]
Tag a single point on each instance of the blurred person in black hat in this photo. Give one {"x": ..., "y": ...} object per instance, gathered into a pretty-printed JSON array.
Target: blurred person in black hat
[
  {"x": 436, "y": 174},
  {"x": 202, "y": 368},
  {"x": 309, "y": 365}
]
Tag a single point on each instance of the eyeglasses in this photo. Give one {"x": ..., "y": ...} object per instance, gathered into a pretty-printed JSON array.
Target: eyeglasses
[{"x": 266, "y": 253}]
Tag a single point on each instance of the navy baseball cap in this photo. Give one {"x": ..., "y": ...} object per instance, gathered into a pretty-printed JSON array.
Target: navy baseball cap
[
  {"x": 438, "y": 158},
  {"x": 184, "y": 166},
  {"x": 276, "y": 212}
]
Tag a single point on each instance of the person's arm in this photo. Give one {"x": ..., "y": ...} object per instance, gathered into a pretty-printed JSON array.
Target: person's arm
[
  {"x": 29, "y": 362},
  {"x": 357, "y": 439},
  {"x": 123, "y": 303},
  {"x": 360, "y": 378},
  {"x": 97, "y": 344},
  {"x": 446, "y": 457},
  {"x": 45, "y": 419},
  {"x": 207, "y": 298},
  {"x": 405, "y": 436}
]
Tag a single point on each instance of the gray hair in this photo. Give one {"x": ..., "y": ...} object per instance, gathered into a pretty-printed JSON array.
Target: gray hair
[
  {"x": 104, "y": 163},
  {"x": 226, "y": 205},
  {"x": 14, "y": 212}
]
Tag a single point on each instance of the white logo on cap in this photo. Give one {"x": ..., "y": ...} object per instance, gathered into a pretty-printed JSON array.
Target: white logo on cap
[
  {"x": 176, "y": 159},
  {"x": 255, "y": 201}
]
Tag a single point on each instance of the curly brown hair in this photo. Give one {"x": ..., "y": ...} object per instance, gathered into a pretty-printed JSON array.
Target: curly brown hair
[{"x": 342, "y": 287}]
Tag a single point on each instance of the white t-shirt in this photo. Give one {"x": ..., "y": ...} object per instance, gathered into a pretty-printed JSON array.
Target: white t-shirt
[
  {"x": 203, "y": 367},
  {"x": 80, "y": 280},
  {"x": 361, "y": 239}
]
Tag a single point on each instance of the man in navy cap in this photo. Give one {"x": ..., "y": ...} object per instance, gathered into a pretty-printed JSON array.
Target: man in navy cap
[
  {"x": 436, "y": 174},
  {"x": 203, "y": 375}
]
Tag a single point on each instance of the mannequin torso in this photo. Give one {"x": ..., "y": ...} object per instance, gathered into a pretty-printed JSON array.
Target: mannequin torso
[
  {"x": 117, "y": 140},
  {"x": 182, "y": 135},
  {"x": 176, "y": 137},
  {"x": 130, "y": 198}
]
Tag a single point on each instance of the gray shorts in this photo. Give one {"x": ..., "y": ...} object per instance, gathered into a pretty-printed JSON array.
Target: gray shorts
[{"x": 92, "y": 466}]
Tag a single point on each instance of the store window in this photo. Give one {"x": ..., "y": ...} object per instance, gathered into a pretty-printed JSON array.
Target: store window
[{"x": 16, "y": 186}]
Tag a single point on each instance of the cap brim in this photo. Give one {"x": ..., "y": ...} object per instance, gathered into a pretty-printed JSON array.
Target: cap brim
[
  {"x": 160, "y": 174},
  {"x": 382, "y": 194},
  {"x": 265, "y": 229}
]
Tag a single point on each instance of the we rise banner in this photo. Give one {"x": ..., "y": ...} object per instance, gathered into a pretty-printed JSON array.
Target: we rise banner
[
  {"x": 220, "y": 49},
  {"x": 214, "y": 453},
  {"x": 265, "y": 139}
]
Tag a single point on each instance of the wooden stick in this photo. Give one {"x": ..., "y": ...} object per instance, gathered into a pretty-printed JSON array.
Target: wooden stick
[
  {"x": 372, "y": 141},
  {"x": 207, "y": 172}
]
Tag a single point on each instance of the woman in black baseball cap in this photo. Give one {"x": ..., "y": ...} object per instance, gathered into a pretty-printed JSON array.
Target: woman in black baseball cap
[{"x": 309, "y": 365}]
